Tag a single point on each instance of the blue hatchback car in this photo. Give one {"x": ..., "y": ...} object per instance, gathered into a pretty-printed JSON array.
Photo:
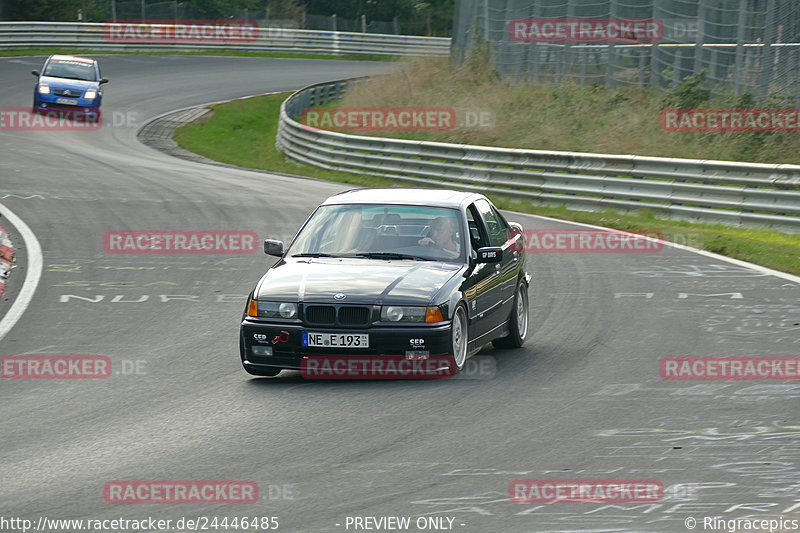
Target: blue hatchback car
[{"x": 69, "y": 83}]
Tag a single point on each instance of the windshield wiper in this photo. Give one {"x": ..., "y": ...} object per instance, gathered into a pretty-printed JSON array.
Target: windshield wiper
[
  {"x": 392, "y": 255},
  {"x": 313, "y": 254}
]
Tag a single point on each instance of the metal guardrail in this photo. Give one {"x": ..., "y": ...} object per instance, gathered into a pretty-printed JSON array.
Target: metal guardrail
[
  {"x": 711, "y": 191},
  {"x": 92, "y": 35}
]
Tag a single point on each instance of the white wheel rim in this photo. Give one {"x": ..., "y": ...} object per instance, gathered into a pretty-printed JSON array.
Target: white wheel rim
[
  {"x": 522, "y": 312},
  {"x": 459, "y": 338}
]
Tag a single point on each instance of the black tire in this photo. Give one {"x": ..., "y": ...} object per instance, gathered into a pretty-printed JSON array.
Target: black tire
[
  {"x": 459, "y": 338},
  {"x": 518, "y": 321}
]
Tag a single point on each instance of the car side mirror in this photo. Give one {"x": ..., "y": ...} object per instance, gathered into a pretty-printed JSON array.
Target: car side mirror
[
  {"x": 517, "y": 236},
  {"x": 273, "y": 247},
  {"x": 103, "y": 80},
  {"x": 489, "y": 254},
  {"x": 35, "y": 73}
]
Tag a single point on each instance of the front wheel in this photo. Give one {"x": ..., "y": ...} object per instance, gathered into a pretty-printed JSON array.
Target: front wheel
[
  {"x": 459, "y": 338},
  {"x": 519, "y": 321}
]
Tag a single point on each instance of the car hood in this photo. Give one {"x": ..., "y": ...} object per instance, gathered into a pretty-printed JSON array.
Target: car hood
[
  {"x": 66, "y": 83},
  {"x": 361, "y": 281}
]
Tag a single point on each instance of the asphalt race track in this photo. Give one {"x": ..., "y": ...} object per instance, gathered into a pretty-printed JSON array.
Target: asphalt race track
[{"x": 582, "y": 400}]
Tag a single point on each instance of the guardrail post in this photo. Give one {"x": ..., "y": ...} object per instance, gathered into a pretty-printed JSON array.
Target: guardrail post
[
  {"x": 583, "y": 53},
  {"x": 740, "y": 51},
  {"x": 677, "y": 68},
  {"x": 797, "y": 76},
  {"x": 537, "y": 48},
  {"x": 508, "y": 55},
  {"x": 485, "y": 20},
  {"x": 767, "y": 67},
  {"x": 566, "y": 50},
  {"x": 702, "y": 16},
  {"x": 643, "y": 64},
  {"x": 655, "y": 50},
  {"x": 612, "y": 51}
]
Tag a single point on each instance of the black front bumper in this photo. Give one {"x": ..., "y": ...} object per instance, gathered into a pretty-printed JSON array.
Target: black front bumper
[{"x": 288, "y": 351}]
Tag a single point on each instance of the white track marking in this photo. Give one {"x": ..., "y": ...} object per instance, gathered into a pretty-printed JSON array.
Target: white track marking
[
  {"x": 712, "y": 255},
  {"x": 35, "y": 262}
]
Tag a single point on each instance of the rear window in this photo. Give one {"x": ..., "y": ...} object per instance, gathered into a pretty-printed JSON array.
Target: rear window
[{"x": 75, "y": 69}]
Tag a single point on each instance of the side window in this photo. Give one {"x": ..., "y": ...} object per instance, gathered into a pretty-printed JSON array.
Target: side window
[
  {"x": 495, "y": 224},
  {"x": 476, "y": 236}
]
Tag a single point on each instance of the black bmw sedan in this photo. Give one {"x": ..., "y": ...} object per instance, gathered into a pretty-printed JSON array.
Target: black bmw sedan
[{"x": 389, "y": 283}]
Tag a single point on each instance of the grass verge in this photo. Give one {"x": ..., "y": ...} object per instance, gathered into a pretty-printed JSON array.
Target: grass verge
[
  {"x": 571, "y": 117},
  {"x": 243, "y": 133}
]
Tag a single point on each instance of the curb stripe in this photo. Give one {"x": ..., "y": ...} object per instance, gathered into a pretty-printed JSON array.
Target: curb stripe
[{"x": 6, "y": 258}]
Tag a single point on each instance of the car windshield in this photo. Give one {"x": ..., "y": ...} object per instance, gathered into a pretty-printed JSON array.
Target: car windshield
[
  {"x": 382, "y": 232},
  {"x": 72, "y": 69}
]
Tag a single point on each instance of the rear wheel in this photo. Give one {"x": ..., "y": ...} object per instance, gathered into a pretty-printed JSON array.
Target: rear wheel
[
  {"x": 518, "y": 321},
  {"x": 459, "y": 338}
]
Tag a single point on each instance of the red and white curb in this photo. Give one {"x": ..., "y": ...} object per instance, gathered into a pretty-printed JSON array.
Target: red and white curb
[{"x": 6, "y": 258}]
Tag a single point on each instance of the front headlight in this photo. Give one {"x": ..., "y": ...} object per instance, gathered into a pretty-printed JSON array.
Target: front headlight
[
  {"x": 44, "y": 88},
  {"x": 91, "y": 94},
  {"x": 395, "y": 313},
  {"x": 283, "y": 310}
]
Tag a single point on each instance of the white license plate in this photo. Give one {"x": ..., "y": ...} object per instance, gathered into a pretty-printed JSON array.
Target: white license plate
[
  {"x": 335, "y": 340},
  {"x": 68, "y": 101}
]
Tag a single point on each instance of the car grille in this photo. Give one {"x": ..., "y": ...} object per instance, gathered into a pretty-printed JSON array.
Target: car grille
[
  {"x": 320, "y": 314},
  {"x": 330, "y": 315},
  {"x": 353, "y": 316},
  {"x": 68, "y": 92}
]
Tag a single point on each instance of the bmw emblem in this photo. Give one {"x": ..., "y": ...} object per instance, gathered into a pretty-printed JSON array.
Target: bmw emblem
[{"x": 339, "y": 296}]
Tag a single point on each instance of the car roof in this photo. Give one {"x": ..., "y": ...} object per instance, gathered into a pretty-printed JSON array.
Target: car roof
[
  {"x": 399, "y": 196},
  {"x": 73, "y": 58}
]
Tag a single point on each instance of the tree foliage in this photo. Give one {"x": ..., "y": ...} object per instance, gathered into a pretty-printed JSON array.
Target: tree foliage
[{"x": 440, "y": 12}]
